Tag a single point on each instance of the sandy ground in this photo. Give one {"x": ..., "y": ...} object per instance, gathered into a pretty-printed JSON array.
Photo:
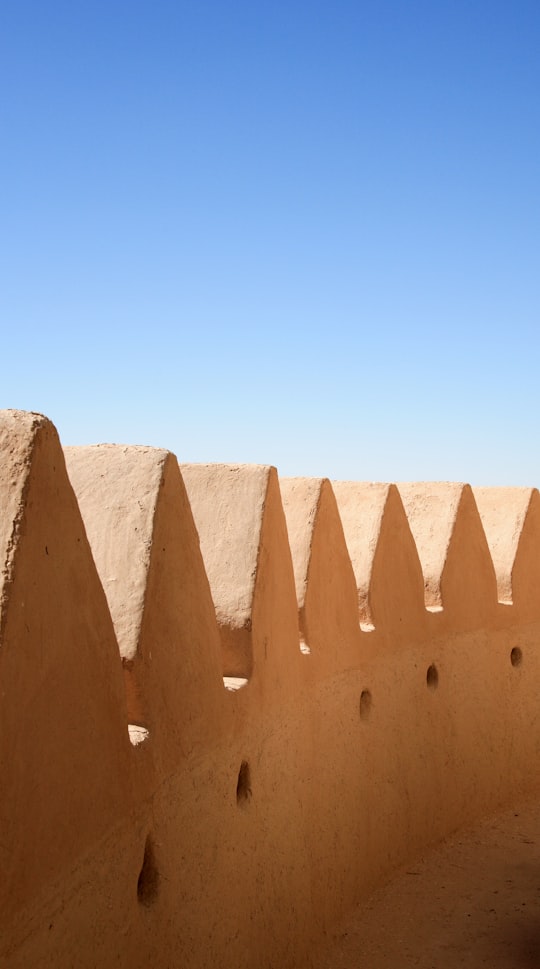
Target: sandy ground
[{"x": 473, "y": 901}]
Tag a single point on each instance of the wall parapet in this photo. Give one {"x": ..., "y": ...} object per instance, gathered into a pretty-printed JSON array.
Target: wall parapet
[{"x": 317, "y": 678}]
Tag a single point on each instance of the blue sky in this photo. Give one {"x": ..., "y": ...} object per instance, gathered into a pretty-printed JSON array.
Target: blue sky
[{"x": 304, "y": 234}]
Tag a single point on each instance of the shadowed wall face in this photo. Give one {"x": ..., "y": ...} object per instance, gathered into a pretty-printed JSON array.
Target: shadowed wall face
[
  {"x": 63, "y": 738},
  {"x": 306, "y": 723}
]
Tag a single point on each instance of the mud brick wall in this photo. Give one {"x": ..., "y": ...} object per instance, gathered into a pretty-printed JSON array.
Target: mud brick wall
[{"x": 231, "y": 705}]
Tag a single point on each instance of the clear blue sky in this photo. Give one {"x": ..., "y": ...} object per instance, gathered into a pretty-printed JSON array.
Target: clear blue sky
[{"x": 297, "y": 233}]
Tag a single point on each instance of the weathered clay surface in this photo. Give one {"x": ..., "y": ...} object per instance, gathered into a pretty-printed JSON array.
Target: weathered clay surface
[
  {"x": 146, "y": 548},
  {"x": 384, "y": 556},
  {"x": 458, "y": 570},
  {"x": 239, "y": 516},
  {"x": 324, "y": 578},
  {"x": 228, "y": 505},
  {"x": 117, "y": 490},
  {"x": 249, "y": 820},
  {"x": 470, "y": 902},
  {"x": 63, "y": 721},
  {"x": 511, "y": 520}
]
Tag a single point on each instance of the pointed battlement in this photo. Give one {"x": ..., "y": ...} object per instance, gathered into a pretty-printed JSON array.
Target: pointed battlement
[
  {"x": 459, "y": 576},
  {"x": 325, "y": 588},
  {"x": 511, "y": 521},
  {"x": 386, "y": 564},
  {"x": 239, "y": 516},
  {"x": 146, "y": 548},
  {"x": 63, "y": 721},
  {"x": 319, "y": 679}
]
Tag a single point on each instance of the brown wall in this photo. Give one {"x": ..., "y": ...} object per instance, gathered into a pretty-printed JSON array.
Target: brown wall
[{"x": 269, "y": 644}]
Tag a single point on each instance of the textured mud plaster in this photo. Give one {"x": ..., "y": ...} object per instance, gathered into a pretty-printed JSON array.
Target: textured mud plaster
[
  {"x": 63, "y": 722},
  {"x": 248, "y": 823},
  {"x": 228, "y": 504},
  {"x": 511, "y": 520},
  {"x": 18, "y": 430},
  {"x": 503, "y": 512},
  {"x": 458, "y": 571},
  {"x": 324, "y": 578},
  {"x": 301, "y": 499},
  {"x": 239, "y": 517},
  {"x": 117, "y": 489},
  {"x": 384, "y": 556},
  {"x": 146, "y": 548}
]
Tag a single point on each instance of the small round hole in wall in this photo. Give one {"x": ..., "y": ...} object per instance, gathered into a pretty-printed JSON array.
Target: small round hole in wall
[
  {"x": 432, "y": 677},
  {"x": 366, "y": 701},
  {"x": 148, "y": 881},
  {"x": 516, "y": 656},
  {"x": 243, "y": 786}
]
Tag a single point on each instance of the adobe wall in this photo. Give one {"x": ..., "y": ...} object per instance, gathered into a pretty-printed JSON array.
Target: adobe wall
[{"x": 231, "y": 705}]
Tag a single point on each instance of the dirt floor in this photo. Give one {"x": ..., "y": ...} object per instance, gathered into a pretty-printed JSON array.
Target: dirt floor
[{"x": 473, "y": 901}]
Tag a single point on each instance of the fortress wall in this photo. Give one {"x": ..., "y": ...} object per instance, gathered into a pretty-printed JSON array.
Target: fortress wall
[
  {"x": 325, "y": 585},
  {"x": 511, "y": 521},
  {"x": 293, "y": 749},
  {"x": 387, "y": 569},
  {"x": 64, "y": 747},
  {"x": 146, "y": 548}
]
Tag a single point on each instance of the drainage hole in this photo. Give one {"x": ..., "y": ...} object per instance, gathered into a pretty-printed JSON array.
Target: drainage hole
[
  {"x": 516, "y": 656},
  {"x": 366, "y": 701},
  {"x": 432, "y": 677},
  {"x": 148, "y": 881},
  {"x": 243, "y": 786}
]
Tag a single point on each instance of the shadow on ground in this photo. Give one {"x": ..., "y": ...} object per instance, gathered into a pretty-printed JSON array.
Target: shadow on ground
[{"x": 473, "y": 901}]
